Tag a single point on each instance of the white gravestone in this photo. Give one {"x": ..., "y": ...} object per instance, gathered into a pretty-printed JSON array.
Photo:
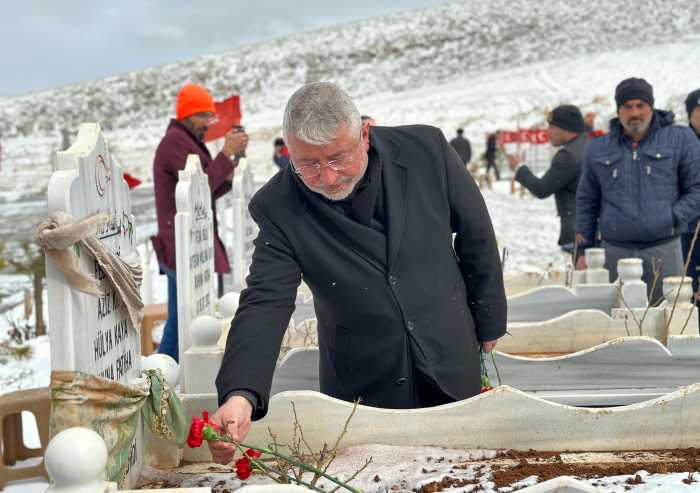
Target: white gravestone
[
  {"x": 194, "y": 252},
  {"x": 87, "y": 333}
]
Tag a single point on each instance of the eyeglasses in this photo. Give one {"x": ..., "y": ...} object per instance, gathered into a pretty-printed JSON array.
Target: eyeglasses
[{"x": 313, "y": 170}]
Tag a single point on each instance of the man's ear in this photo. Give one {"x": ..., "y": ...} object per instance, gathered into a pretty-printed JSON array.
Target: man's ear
[{"x": 364, "y": 133}]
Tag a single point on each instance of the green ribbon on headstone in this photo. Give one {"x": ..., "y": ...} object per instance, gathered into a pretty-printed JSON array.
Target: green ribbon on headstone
[
  {"x": 113, "y": 410},
  {"x": 163, "y": 412}
]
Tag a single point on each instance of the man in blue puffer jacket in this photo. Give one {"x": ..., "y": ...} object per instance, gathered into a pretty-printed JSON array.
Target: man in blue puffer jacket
[{"x": 640, "y": 185}]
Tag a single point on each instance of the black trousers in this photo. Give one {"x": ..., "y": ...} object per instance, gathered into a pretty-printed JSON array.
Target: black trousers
[{"x": 491, "y": 163}]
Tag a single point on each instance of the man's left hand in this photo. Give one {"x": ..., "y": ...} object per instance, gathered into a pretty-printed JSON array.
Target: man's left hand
[{"x": 488, "y": 346}]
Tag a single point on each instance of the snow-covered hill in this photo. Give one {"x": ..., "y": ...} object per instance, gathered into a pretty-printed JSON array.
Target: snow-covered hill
[{"x": 478, "y": 63}]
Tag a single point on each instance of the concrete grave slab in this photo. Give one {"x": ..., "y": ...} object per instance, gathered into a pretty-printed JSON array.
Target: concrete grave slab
[
  {"x": 504, "y": 418},
  {"x": 549, "y": 302},
  {"x": 618, "y": 372},
  {"x": 577, "y": 330}
]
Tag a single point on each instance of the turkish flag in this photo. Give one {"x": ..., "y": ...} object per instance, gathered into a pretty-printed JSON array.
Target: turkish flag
[
  {"x": 541, "y": 136},
  {"x": 131, "y": 181},
  {"x": 524, "y": 136},
  {"x": 228, "y": 115},
  {"x": 509, "y": 137}
]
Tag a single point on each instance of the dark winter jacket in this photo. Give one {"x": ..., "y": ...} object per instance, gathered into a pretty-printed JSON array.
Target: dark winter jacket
[
  {"x": 171, "y": 156},
  {"x": 388, "y": 302},
  {"x": 490, "y": 147},
  {"x": 694, "y": 223},
  {"x": 641, "y": 197},
  {"x": 463, "y": 148},
  {"x": 561, "y": 179}
]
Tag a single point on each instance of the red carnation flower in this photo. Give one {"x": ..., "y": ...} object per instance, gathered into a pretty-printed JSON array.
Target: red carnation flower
[
  {"x": 253, "y": 454},
  {"x": 194, "y": 439},
  {"x": 243, "y": 468}
]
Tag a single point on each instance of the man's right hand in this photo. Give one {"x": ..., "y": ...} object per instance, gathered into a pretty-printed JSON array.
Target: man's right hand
[
  {"x": 234, "y": 416},
  {"x": 235, "y": 143}
]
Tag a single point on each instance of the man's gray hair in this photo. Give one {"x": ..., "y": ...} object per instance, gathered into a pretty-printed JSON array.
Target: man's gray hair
[{"x": 316, "y": 113}]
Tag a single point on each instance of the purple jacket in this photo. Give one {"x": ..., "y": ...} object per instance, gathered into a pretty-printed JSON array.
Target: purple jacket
[{"x": 170, "y": 158}]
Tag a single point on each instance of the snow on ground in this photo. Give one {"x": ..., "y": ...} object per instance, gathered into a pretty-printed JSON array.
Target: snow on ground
[
  {"x": 405, "y": 469},
  {"x": 527, "y": 227}
]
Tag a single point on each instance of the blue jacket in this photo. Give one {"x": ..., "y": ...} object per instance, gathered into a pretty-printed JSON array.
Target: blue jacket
[{"x": 640, "y": 197}]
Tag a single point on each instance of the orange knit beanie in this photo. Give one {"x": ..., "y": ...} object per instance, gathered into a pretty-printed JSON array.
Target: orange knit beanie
[{"x": 193, "y": 99}]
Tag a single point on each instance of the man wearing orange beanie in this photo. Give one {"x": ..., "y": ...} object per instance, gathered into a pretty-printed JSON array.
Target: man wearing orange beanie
[{"x": 184, "y": 136}]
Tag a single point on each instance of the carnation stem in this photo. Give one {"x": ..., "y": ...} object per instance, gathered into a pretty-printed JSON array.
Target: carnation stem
[
  {"x": 493, "y": 359},
  {"x": 260, "y": 465},
  {"x": 293, "y": 462}
]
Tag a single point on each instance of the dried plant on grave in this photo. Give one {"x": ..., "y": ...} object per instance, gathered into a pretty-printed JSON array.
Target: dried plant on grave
[
  {"x": 302, "y": 335},
  {"x": 656, "y": 271},
  {"x": 292, "y": 467},
  {"x": 680, "y": 288},
  {"x": 696, "y": 298},
  {"x": 286, "y": 345},
  {"x": 656, "y": 275},
  {"x": 303, "y": 453}
]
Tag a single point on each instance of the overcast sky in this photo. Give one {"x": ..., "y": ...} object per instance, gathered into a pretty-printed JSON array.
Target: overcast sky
[{"x": 51, "y": 43}]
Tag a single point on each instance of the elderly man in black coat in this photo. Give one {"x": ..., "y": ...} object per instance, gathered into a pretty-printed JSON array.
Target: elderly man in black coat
[
  {"x": 566, "y": 131},
  {"x": 366, "y": 215}
]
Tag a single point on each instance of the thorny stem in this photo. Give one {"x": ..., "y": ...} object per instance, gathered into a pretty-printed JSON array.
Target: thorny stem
[
  {"x": 367, "y": 463},
  {"x": 629, "y": 309},
  {"x": 267, "y": 470},
  {"x": 334, "y": 450},
  {"x": 290, "y": 460},
  {"x": 301, "y": 432},
  {"x": 690, "y": 312}
]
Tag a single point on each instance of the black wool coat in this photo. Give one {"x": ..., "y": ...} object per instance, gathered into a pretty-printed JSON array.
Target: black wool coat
[
  {"x": 380, "y": 298},
  {"x": 561, "y": 179}
]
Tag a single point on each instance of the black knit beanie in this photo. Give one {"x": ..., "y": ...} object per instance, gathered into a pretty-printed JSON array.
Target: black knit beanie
[
  {"x": 634, "y": 88},
  {"x": 567, "y": 117},
  {"x": 692, "y": 101}
]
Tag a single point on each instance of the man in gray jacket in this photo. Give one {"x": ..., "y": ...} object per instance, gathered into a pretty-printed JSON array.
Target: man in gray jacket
[
  {"x": 640, "y": 185},
  {"x": 567, "y": 131}
]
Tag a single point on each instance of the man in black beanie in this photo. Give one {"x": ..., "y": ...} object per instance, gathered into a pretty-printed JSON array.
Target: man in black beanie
[
  {"x": 567, "y": 131},
  {"x": 692, "y": 106},
  {"x": 640, "y": 186}
]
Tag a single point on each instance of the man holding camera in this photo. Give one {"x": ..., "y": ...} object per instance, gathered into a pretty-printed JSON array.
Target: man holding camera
[{"x": 185, "y": 135}]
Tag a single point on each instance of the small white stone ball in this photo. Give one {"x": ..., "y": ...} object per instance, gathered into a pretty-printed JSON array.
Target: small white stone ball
[
  {"x": 205, "y": 331},
  {"x": 75, "y": 459},
  {"x": 228, "y": 304},
  {"x": 169, "y": 367}
]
